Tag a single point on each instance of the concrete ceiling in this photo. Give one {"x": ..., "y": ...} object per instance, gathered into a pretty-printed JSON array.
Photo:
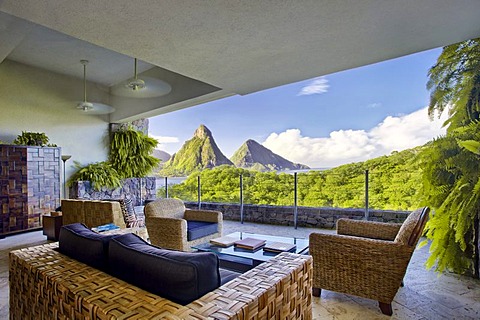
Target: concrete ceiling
[{"x": 228, "y": 47}]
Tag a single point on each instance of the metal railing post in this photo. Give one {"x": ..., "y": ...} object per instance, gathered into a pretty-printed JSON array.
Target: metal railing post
[
  {"x": 295, "y": 198},
  {"x": 241, "y": 198},
  {"x": 366, "y": 195},
  {"x": 166, "y": 187},
  {"x": 199, "y": 194}
]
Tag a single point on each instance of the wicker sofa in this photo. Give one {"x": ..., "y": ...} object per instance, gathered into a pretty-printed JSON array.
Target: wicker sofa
[
  {"x": 45, "y": 284},
  {"x": 92, "y": 213}
]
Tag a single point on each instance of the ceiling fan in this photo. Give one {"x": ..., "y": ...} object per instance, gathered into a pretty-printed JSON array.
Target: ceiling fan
[
  {"x": 91, "y": 107},
  {"x": 147, "y": 87}
]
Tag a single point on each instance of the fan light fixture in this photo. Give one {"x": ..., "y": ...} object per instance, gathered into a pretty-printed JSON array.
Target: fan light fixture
[
  {"x": 85, "y": 106},
  {"x": 136, "y": 84}
]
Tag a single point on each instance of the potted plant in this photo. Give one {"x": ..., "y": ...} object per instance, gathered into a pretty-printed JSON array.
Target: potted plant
[{"x": 38, "y": 139}]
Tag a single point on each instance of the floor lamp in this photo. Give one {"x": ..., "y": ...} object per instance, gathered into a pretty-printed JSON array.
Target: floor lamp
[{"x": 64, "y": 159}]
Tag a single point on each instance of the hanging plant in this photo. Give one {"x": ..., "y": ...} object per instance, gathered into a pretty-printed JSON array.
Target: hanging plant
[
  {"x": 130, "y": 153},
  {"x": 100, "y": 174},
  {"x": 38, "y": 139}
]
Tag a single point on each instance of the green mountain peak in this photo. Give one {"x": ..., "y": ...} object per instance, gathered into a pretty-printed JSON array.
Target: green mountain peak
[
  {"x": 252, "y": 155},
  {"x": 200, "y": 152}
]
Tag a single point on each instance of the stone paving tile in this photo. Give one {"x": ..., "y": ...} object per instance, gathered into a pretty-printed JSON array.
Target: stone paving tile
[
  {"x": 350, "y": 310},
  {"x": 320, "y": 313}
]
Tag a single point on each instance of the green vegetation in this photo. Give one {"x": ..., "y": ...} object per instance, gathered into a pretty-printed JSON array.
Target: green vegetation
[
  {"x": 130, "y": 153},
  {"x": 394, "y": 182},
  {"x": 130, "y": 156},
  {"x": 100, "y": 174},
  {"x": 452, "y": 163},
  {"x": 38, "y": 139},
  {"x": 200, "y": 152}
]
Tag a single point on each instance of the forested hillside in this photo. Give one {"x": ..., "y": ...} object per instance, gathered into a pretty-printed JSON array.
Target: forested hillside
[{"x": 394, "y": 183}]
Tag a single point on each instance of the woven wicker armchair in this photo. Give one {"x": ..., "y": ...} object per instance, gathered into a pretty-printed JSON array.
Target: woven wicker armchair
[
  {"x": 365, "y": 258},
  {"x": 166, "y": 222}
]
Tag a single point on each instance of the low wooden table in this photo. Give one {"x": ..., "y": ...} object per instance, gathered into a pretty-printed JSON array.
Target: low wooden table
[
  {"x": 52, "y": 222},
  {"x": 242, "y": 260}
]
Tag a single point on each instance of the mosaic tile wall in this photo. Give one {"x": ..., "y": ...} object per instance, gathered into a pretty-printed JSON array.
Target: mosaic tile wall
[{"x": 29, "y": 186}]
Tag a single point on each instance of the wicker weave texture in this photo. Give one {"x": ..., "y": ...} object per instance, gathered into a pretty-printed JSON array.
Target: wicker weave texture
[
  {"x": 98, "y": 213},
  {"x": 169, "y": 208},
  {"x": 45, "y": 284},
  {"x": 368, "y": 229},
  {"x": 72, "y": 211},
  {"x": 92, "y": 213},
  {"x": 167, "y": 228},
  {"x": 365, "y": 267}
]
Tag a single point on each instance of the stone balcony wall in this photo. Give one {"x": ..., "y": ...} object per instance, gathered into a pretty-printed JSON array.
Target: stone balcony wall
[
  {"x": 307, "y": 216},
  {"x": 137, "y": 189}
]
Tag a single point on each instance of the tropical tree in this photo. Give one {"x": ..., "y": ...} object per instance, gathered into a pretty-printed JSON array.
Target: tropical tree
[
  {"x": 454, "y": 83},
  {"x": 451, "y": 185},
  {"x": 451, "y": 163}
]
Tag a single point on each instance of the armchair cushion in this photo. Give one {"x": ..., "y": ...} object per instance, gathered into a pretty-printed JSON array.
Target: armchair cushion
[
  {"x": 82, "y": 244},
  {"x": 128, "y": 211},
  {"x": 406, "y": 230},
  {"x": 178, "y": 276},
  {"x": 200, "y": 229},
  {"x": 368, "y": 229}
]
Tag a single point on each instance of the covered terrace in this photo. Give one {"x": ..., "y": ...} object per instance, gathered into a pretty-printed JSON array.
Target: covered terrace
[{"x": 208, "y": 51}]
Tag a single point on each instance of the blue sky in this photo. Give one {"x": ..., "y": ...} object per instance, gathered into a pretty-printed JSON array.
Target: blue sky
[{"x": 339, "y": 118}]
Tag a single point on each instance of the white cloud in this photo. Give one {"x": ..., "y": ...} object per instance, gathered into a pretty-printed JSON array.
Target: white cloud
[
  {"x": 317, "y": 86},
  {"x": 374, "y": 105},
  {"x": 346, "y": 146},
  {"x": 163, "y": 140}
]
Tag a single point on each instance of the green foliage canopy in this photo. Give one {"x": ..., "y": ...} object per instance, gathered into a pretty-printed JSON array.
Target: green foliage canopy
[
  {"x": 451, "y": 175},
  {"x": 451, "y": 185},
  {"x": 454, "y": 82},
  {"x": 394, "y": 182}
]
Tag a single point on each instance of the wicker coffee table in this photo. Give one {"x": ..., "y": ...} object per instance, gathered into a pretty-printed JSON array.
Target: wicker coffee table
[{"x": 242, "y": 260}]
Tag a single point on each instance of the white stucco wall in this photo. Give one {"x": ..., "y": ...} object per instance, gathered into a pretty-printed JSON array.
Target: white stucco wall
[{"x": 36, "y": 100}]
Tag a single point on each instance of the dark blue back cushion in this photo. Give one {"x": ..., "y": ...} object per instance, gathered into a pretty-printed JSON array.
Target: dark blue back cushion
[
  {"x": 200, "y": 229},
  {"x": 181, "y": 277},
  {"x": 80, "y": 243}
]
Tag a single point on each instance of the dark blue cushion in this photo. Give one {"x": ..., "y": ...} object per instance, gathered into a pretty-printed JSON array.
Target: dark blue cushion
[
  {"x": 200, "y": 229},
  {"x": 80, "y": 243},
  {"x": 181, "y": 277}
]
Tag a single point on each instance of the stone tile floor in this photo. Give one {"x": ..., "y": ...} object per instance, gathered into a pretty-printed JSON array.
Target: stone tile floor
[{"x": 426, "y": 295}]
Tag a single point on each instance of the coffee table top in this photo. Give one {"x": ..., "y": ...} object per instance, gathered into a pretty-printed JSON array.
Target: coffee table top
[{"x": 259, "y": 254}]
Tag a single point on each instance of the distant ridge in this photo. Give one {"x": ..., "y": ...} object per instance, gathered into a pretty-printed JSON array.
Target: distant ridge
[
  {"x": 162, "y": 155},
  {"x": 252, "y": 155},
  {"x": 200, "y": 152}
]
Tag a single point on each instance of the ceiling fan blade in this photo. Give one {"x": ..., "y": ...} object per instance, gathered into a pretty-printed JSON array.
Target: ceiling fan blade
[
  {"x": 94, "y": 108},
  {"x": 91, "y": 108},
  {"x": 153, "y": 88}
]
